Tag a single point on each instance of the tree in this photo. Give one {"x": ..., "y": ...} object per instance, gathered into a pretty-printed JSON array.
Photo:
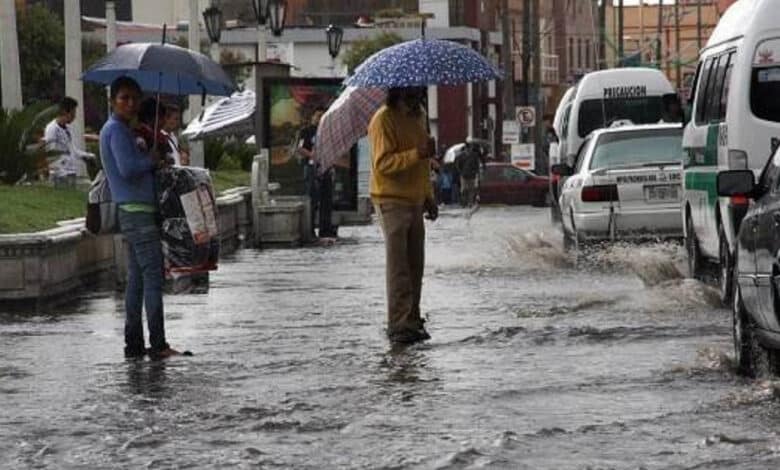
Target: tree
[
  {"x": 19, "y": 133},
  {"x": 362, "y": 49},
  {"x": 41, "y": 53}
]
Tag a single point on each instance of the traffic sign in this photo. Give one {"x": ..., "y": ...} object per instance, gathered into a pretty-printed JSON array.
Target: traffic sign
[
  {"x": 510, "y": 132},
  {"x": 526, "y": 115}
]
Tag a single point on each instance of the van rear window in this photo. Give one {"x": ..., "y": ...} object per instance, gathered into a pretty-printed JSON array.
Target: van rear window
[
  {"x": 765, "y": 93},
  {"x": 597, "y": 114}
]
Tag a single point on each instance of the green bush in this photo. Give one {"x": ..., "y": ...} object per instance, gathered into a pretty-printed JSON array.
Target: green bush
[
  {"x": 19, "y": 145},
  {"x": 213, "y": 150},
  {"x": 228, "y": 154}
]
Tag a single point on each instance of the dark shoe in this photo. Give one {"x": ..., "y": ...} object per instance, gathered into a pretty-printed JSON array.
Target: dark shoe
[
  {"x": 134, "y": 353},
  {"x": 163, "y": 354},
  {"x": 408, "y": 336}
]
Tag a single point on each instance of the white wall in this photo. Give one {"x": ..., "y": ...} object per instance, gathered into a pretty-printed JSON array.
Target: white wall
[
  {"x": 440, "y": 10},
  {"x": 169, "y": 12}
]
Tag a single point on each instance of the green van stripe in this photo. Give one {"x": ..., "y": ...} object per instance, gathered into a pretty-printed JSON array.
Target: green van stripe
[{"x": 703, "y": 180}]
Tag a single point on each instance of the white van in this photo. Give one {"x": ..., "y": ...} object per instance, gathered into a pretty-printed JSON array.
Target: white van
[
  {"x": 603, "y": 98},
  {"x": 606, "y": 96},
  {"x": 558, "y": 149},
  {"x": 735, "y": 124}
]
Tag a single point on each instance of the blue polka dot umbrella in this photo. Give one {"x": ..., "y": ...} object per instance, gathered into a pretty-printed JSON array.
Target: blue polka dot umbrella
[{"x": 423, "y": 62}]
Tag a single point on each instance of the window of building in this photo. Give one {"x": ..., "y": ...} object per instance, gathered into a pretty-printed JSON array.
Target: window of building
[
  {"x": 587, "y": 54},
  {"x": 579, "y": 53},
  {"x": 571, "y": 53}
]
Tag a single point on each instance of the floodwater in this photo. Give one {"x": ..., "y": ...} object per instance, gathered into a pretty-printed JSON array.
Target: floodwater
[{"x": 533, "y": 364}]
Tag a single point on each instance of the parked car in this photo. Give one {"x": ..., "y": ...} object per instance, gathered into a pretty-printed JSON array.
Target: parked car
[
  {"x": 756, "y": 281},
  {"x": 503, "y": 183},
  {"x": 626, "y": 184}
]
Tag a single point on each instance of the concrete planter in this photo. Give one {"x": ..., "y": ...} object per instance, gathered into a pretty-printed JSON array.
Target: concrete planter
[{"x": 50, "y": 264}]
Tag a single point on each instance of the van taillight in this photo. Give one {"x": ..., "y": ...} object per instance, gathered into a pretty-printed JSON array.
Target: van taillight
[{"x": 600, "y": 193}]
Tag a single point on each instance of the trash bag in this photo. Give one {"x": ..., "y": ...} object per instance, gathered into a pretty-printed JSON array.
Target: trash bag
[
  {"x": 190, "y": 236},
  {"x": 101, "y": 209}
]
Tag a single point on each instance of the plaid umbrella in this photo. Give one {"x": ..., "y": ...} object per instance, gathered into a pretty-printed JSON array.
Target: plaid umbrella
[{"x": 345, "y": 122}]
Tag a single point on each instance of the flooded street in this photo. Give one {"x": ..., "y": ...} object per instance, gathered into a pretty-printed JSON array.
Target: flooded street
[{"x": 533, "y": 364}]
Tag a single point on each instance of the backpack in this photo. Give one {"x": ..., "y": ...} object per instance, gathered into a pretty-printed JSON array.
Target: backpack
[{"x": 101, "y": 209}]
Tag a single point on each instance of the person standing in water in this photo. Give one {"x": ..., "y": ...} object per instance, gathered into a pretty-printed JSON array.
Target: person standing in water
[
  {"x": 130, "y": 174},
  {"x": 401, "y": 192}
]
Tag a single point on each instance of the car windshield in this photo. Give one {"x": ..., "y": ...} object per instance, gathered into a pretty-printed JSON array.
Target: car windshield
[
  {"x": 637, "y": 147},
  {"x": 597, "y": 114},
  {"x": 765, "y": 93}
]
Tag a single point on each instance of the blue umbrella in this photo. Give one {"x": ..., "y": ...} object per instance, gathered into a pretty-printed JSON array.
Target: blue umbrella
[
  {"x": 162, "y": 68},
  {"x": 423, "y": 62}
]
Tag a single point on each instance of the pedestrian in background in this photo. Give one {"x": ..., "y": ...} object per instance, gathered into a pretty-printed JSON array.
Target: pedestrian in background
[
  {"x": 468, "y": 164},
  {"x": 401, "y": 190},
  {"x": 130, "y": 174},
  {"x": 306, "y": 141},
  {"x": 58, "y": 138},
  {"x": 171, "y": 124}
]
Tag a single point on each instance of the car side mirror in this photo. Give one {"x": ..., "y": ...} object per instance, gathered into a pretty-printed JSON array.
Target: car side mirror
[
  {"x": 562, "y": 170},
  {"x": 736, "y": 183}
]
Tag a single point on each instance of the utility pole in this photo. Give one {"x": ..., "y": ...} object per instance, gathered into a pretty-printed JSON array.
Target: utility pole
[
  {"x": 197, "y": 155},
  {"x": 73, "y": 70},
  {"x": 678, "y": 65},
  {"x": 603, "y": 35},
  {"x": 9, "y": 56},
  {"x": 698, "y": 23},
  {"x": 538, "y": 87},
  {"x": 506, "y": 59},
  {"x": 641, "y": 28},
  {"x": 620, "y": 33},
  {"x": 660, "y": 34},
  {"x": 526, "y": 50}
]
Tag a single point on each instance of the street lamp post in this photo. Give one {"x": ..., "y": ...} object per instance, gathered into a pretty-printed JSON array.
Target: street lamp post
[
  {"x": 271, "y": 14},
  {"x": 212, "y": 17},
  {"x": 334, "y": 35}
]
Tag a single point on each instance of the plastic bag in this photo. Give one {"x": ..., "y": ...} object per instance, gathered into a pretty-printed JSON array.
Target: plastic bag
[{"x": 190, "y": 235}]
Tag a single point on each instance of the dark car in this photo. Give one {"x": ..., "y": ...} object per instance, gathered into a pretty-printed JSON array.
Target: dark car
[
  {"x": 756, "y": 279},
  {"x": 503, "y": 183}
]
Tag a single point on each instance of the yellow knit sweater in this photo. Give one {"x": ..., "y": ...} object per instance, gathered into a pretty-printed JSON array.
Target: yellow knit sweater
[{"x": 398, "y": 174}]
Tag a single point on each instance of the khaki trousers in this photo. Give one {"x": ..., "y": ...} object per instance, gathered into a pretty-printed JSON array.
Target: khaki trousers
[{"x": 404, "y": 232}]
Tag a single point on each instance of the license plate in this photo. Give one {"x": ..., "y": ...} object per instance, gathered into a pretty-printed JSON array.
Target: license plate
[{"x": 662, "y": 193}]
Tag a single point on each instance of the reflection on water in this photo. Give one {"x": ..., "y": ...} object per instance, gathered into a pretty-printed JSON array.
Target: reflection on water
[{"x": 533, "y": 364}]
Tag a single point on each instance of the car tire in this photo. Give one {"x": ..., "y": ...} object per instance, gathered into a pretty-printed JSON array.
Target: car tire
[
  {"x": 751, "y": 359},
  {"x": 692, "y": 248},
  {"x": 725, "y": 266}
]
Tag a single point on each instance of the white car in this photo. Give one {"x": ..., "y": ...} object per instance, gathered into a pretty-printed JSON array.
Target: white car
[{"x": 625, "y": 185}]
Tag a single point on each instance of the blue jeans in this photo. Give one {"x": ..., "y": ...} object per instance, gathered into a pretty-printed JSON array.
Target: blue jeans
[{"x": 144, "y": 282}]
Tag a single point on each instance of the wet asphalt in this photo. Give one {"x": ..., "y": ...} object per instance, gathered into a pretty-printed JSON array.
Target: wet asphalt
[{"x": 533, "y": 364}]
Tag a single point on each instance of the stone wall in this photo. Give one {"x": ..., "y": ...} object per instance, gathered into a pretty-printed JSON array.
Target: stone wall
[{"x": 47, "y": 265}]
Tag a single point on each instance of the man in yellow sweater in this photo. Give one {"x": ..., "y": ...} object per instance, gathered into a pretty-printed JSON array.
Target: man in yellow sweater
[{"x": 401, "y": 191}]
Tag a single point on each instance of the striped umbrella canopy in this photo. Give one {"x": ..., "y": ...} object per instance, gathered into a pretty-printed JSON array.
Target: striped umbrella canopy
[
  {"x": 233, "y": 115},
  {"x": 345, "y": 122}
]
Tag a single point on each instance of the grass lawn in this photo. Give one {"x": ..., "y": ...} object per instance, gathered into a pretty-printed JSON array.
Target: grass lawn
[
  {"x": 39, "y": 207},
  {"x": 226, "y": 179}
]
